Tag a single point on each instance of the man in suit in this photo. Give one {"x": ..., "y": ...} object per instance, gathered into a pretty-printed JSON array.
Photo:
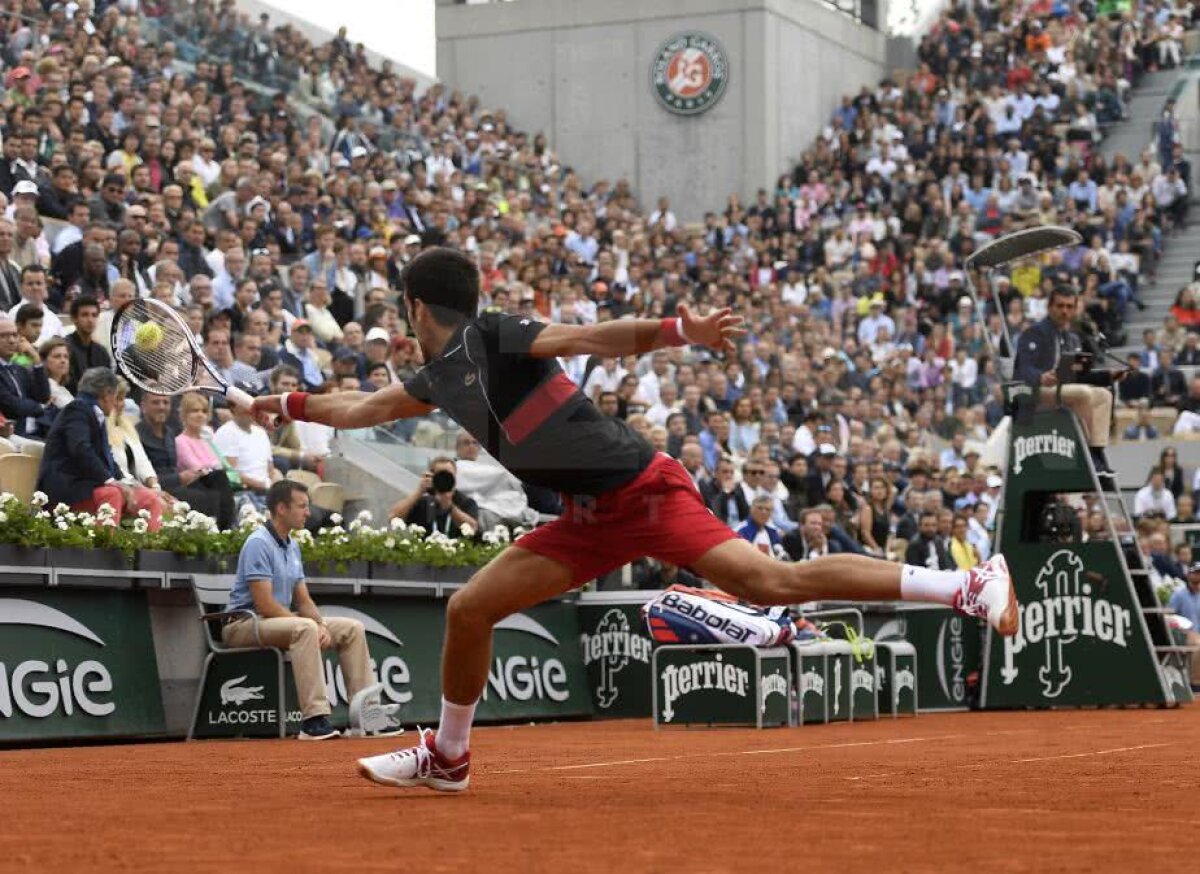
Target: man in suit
[
  {"x": 1136, "y": 386},
  {"x": 24, "y": 392},
  {"x": 1167, "y": 385},
  {"x": 928, "y": 550},
  {"x": 78, "y": 467},
  {"x": 821, "y": 474},
  {"x": 1040, "y": 352},
  {"x": 808, "y": 541}
]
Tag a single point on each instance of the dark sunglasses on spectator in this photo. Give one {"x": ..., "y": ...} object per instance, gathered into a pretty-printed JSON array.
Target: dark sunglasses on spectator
[{"x": 755, "y": 470}]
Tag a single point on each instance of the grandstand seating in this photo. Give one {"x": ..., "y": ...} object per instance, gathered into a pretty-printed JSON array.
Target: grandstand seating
[{"x": 181, "y": 98}]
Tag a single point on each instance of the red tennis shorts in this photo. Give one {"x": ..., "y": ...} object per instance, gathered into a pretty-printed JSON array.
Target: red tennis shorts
[{"x": 659, "y": 513}]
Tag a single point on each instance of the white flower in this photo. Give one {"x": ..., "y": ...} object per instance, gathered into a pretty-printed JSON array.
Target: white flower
[
  {"x": 364, "y": 516},
  {"x": 143, "y": 514},
  {"x": 356, "y": 525},
  {"x": 182, "y": 506},
  {"x": 302, "y": 536},
  {"x": 61, "y": 509},
  {"x": 335, "y": 518},
  {"x": 336, "y": 529},
  {"x": 39, "y": 499},
  {"x": 3, "y": 517},
  {"x": 398, "y": 524},
  {"x": 62, "y": 525},
  {"x": 467, "y": 530},
  {"x": 519, "y": 530},
  {"x": 388, "y": 542},
  {"x": 141, "y": 526},
  {"x": 87, "y": 520}
]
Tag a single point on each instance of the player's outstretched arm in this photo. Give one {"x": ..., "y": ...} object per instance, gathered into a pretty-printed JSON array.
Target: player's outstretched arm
[
  {"x": 352, "y": 409},
  {"x": 717, "y": 330}
]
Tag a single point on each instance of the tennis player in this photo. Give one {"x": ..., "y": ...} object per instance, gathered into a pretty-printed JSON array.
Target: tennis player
[{"x": 497, "y": 376}]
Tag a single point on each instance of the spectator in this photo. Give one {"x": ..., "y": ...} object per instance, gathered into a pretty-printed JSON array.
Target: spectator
[
  {"x": 300, "y": 353},
  {"x": 55, "y": 355},
  {"x": 808, "y": 541},
  {"x": 1173, "y": 477},
  {"x": 1185, "y": 603},
  {"x": 10, "y": 274},
  {"x": 207, "y": 492},
  {"x": 1143, "y": 428},
  {"x": 728, "y": 501},
  {"x": 1167, "y": 385},
  {"x": 962, "y": 551},
  {"x": 1136, "y": 386},
  {"x": 195, "y": 449},
  {"x": 127, "y": 449},
  {"x": 758, "y": 529},
  {"x": 927, "y": 549},
  {"x": 437, "y": 504},
  {"x": 246, "y": 448},
  {"x": 78, "y": 467},
  {"x": 1154, "y": 497},
  {"x": 34, "y": 293},
  {"x": 24, "y": 392},
  {"x": 875, "y": 517},
  {"x": 270, "y": 584},
  {"x": 86, "y": 351}
]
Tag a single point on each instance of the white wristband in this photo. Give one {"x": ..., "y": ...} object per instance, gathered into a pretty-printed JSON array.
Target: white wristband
[
  {"x": 283, "y": 414},
  {"x": 679, "y": 328}
]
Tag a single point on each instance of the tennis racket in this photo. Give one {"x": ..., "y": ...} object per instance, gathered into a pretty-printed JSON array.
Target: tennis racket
[{"x": 157, "y": 352}]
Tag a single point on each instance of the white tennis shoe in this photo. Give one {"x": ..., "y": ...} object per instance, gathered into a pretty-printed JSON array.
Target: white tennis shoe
[{"x": 421, "y": 765}]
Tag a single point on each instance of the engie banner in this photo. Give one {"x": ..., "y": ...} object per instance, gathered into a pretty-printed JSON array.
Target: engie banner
[{"x": 77, "y": 664}]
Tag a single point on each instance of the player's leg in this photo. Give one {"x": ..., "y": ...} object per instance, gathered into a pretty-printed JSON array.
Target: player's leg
[
  {"x": 515, "y": 580},
  {"x": 740, "y": 569}
]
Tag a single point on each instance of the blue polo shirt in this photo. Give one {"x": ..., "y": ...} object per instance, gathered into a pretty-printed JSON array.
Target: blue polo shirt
[
  {"x": 265, "y": 556},
  {"x": 1186, "y": 603}
]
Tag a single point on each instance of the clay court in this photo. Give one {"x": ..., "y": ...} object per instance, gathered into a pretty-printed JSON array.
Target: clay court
[{"x": 1052, "y": 791}]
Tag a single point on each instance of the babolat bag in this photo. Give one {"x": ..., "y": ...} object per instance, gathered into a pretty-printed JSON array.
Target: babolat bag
[{"x": 683, "y": 615}]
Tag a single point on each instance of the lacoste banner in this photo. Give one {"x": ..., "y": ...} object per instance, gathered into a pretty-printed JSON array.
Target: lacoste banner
[
  {"x": 77, "y": 664},
  {"x": 404, "y": 637},
  {"x": 616, "y": 652},
  {"x": 1082, "y": 640},
  {"x": 536, "y": 669}
]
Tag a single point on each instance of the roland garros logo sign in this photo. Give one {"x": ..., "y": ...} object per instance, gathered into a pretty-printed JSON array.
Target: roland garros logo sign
[{"x": 689, "y": 73}]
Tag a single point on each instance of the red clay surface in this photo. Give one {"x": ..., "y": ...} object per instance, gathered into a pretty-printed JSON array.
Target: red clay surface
[{"x": 1067, "y": 791}]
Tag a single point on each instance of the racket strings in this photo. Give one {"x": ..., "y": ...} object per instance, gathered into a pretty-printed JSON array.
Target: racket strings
[{"x": 163, "y": 365}]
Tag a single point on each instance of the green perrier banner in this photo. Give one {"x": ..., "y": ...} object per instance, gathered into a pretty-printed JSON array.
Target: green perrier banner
[
  {"x": 616, "y": 652},
  {"x": 77, "y": 664},
  {"x": 1083, "y": 638}
]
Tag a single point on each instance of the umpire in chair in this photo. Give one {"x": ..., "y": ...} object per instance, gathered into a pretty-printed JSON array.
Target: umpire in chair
[{"x": 1051, "y": 360}]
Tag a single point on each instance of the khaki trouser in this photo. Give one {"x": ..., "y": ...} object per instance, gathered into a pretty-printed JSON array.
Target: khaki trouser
[
  {"x": 1090, "y": 403},
  {"x": 299, "y": 637}
]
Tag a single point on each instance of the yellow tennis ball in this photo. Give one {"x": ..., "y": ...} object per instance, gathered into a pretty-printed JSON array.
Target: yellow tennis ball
[{"x": 147, "y": 337}]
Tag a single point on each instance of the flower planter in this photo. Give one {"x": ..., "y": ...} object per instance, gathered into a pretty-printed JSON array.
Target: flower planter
[
  {"x": 383, "y": 570},
  {"x": 454, "y": 574},
  {"x": 88, "y": 559},
  {"x": 354, "y": 570},
  {"x": 15, "y": 556},
  {"x": 166, "y": 562}
]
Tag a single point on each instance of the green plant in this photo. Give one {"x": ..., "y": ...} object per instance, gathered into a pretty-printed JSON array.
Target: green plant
[{"x": 191, "y": 534}]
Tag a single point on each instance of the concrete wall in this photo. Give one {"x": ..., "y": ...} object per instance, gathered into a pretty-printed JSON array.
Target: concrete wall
[{"x": 580, "y": 71}]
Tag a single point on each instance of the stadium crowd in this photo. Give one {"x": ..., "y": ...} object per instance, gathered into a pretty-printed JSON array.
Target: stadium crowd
[{"x": 857, "y": 413}]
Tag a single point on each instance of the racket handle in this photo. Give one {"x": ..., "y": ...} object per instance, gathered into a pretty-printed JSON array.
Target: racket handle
[{"x": 239, "y": 398}]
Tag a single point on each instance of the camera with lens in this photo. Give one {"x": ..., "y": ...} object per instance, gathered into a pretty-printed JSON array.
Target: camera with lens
[
  {"x": 441, "y": 482},
  {"x": 1059, "y": 523}
]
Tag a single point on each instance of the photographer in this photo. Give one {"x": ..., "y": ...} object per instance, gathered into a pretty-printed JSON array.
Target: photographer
[
  {"x": 1050, "y": 359},
  {"x": 437, "y": 505}
]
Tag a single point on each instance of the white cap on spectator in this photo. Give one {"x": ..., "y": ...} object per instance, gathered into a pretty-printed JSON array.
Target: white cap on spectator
[
  {"x": 378, "y": 334},
  {"x": 965, "y": 301},
  {"x": 956, "y": 274},
  {"x": 827, "y": 449},
  {"x": 25, "y": 186},
  {"x": 358, "y": 152},
  {"x": 994, "y": 482},
  {"x": 412, "y": 240}
]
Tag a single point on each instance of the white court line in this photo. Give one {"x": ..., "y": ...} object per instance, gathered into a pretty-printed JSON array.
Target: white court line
[
  {"x": 1093, "y": 753},
  {"x": 816, "y": 748}
]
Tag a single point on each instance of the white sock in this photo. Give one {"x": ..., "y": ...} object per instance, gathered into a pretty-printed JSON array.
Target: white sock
[
  {"x": 454, "y": 731},
  {"x": 923, "y": 584}
]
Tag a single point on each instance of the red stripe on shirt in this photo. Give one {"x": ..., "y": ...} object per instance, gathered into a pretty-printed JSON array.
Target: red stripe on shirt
[{"x": 538, "y": 407}]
